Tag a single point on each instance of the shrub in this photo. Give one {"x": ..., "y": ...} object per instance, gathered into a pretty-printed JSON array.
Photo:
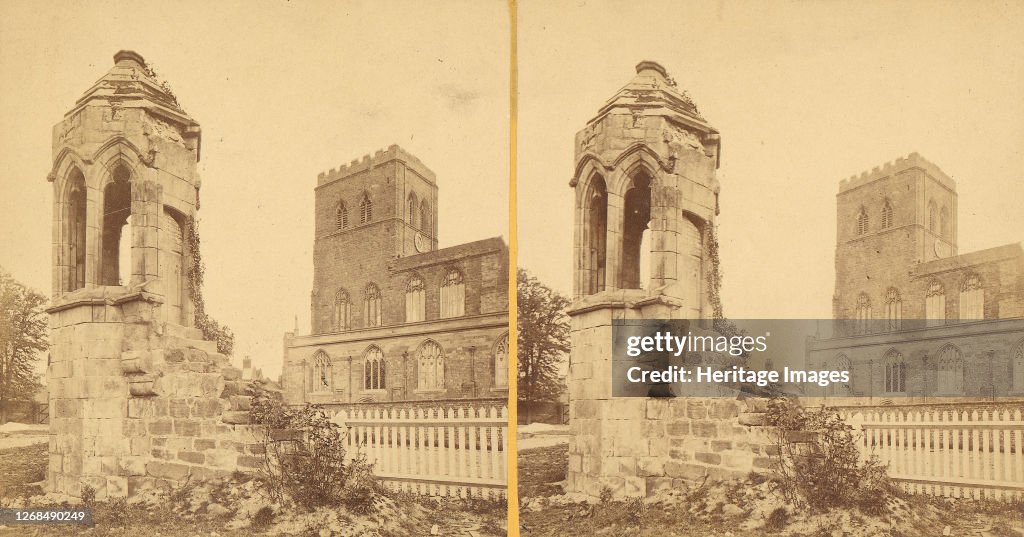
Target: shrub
[
  {"x": 262, "y": 518},
  {"x": 819, "y": 463},
  {"x": 305, "y": 458}
]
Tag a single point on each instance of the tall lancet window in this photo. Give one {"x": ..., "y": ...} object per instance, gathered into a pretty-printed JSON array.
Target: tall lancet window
[
  {"x": 501, "y": 363},
  {"x": 430, "y": 366},
  {"x": 596, "y": 239},
  {"x": 895, "y": 372},
  {"x": 374, "y": 369},
  {"x": 935, "y": 304},
  {"x": 951, "y": 371},
  {"x": 944, "y": 224},
  {"x": 412, "y": 207},
  {"x": 887, "y": 215},
  {"x": 453, "y": 295},
  {"x": 342, "y": 311},
  {"x": 115, "y": 268},
  {"x": 1017, "y": 366},
  {"x": 637, "y": 217},
  {"x": 75, "y": 230},
  {"x": 371, "y": 306},
  {"x": 425, "y": 220},
  {"x": 321, "y": 375},
  {"x": 893, "y": 309},
  {"x": 972, "y": 299},
  {"x": 365, "y": 209},
  {"x": 415, "y": 300},
  {"x": 863, "y": 325}
]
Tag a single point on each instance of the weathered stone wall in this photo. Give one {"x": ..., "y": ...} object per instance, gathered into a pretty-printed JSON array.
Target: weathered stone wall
[
  {"x": 640, "y": 446},
  {"x": 141, "y": 404}
]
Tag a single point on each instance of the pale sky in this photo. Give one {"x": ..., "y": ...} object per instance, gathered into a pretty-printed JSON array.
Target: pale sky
[
  {"x": 283, "y": 91},
  {"x": 804, "y": 94}
]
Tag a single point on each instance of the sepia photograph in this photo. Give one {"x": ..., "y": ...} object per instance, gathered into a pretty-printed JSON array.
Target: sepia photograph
[
  {"x": 254, "y": 269},
  {"x": 837, "y": 179}
]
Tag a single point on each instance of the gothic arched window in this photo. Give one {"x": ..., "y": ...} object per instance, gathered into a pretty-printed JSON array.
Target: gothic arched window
[
  {"x": 863, "y": 314},
  {"x": 453, "y": 295},
  {"x": 951, "y": 371},
  {"x": 425, "y": 221},
  {"x": 635, "y": 228},
  {"x": 321, "y": 374},
  {"x": 843, "y": 364},
  {"x": 116, "y": 263},
  {"x": 371, "y": 306},
  {"x": 596, "y": 234},
  {"x": 862, "y": 221},
  {"x": 944, "y": 226},
  {"x": 933, "y": 216},
  {"x": 501, "y": 362},
  {"x": 412, "y": 207},
  {"x": 895, "y": 372},
  {"x": 415, "y": 300},
  {"x": 1017, "y": 365},
  {"x": 365, "y": 209},
  {"x": 935, "y": 304},
  {"x": 341, "y": 216},
  {"x": 374, "y": 369},
  {"x": 74, "y": 226},
  {"x": 972, "y": 299},
  {"x": 342, "y": 311},
  {"x": 893, "y": 309},
  {"x": 887, "y": 215},
  {"x": 430, "y": 366}
]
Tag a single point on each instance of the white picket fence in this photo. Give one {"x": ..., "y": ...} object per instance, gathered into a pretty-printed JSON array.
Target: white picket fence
[
  {"x": 971, "y": 451},
  {"x": 439, "y": 450}
]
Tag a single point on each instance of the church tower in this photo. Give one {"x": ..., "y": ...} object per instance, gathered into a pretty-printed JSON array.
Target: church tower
[
  {"x": 369, "y": 213},
  {"x": 646, "y": 202},
  {"x": 889, "y": 220}
]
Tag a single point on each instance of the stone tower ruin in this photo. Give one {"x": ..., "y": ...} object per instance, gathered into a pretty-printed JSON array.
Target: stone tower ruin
[
  {"x": 646, "y": 202},
  {"x": 137, "y": 397}
]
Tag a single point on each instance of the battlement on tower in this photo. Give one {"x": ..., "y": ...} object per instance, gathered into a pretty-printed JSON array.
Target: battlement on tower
[
  {"x": 370, "y": 161},
  {"x": 913, "y": 160}
]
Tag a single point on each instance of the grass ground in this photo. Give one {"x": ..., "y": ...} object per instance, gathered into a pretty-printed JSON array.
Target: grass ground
[
  {"x": 738, "y": 509},
  {"x": 190, "y": 513}
]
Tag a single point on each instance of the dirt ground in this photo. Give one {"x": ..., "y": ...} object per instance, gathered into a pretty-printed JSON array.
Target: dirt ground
[
  {"x": 738, "y": 509},
  {"x": 233, "y": 508}
]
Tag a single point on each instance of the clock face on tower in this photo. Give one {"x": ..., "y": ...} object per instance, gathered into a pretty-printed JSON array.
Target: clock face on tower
[
  {"x": 422, "y": 242},
  {"x": 941, "y": 249}
]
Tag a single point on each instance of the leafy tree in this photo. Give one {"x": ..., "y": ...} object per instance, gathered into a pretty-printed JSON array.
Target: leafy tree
[
  {"x": 23, "y": 335},
  {"x": 543, "y": 340}
]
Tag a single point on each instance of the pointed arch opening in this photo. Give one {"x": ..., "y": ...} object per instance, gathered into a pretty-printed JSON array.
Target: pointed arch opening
[
  {"x": 972, "y": 299},
  {"x": 115, "y": 257},
  {"x": 950, "y": 363},
  {"x": 863, "y": 222},
  {"x": 371, "y": 305},
  {"x": 863, "y": 313},
  {"x": 321, "y": 373},
  {"x": 74, "y": 230},
  {"x": 944, "y": 223},
  {"x": 453, "y": 294},
  {"x": 636, "y": 231},
  {"x": 935, "y": 304},
  {"x": 412, "y": 205},
  {"x": 430, "y": 366},
  {"x": 895, "y": 372},
  {"x": 342, "y": 311},
  {"x": 341, "y": 216},
  {"x": 374, "y": 369},
  {"x": 596, "y": 234},
  {"x": 426, "y": 218},
  {"x": 415, "y": 300},
  {"x": 501, "y": 362},
  {"x": 887, "y": 215},
  {"x": 365, "y": 209},
  {"x": 893, "y": 309}
]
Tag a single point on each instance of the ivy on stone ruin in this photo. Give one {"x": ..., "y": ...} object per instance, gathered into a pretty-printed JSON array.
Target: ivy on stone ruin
[
  {"x": 211, "y": 329},
  {"x": 720, "y": 323}
]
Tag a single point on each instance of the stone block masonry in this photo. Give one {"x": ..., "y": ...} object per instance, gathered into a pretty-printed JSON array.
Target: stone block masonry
[{"x": 140, "y": 405}]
